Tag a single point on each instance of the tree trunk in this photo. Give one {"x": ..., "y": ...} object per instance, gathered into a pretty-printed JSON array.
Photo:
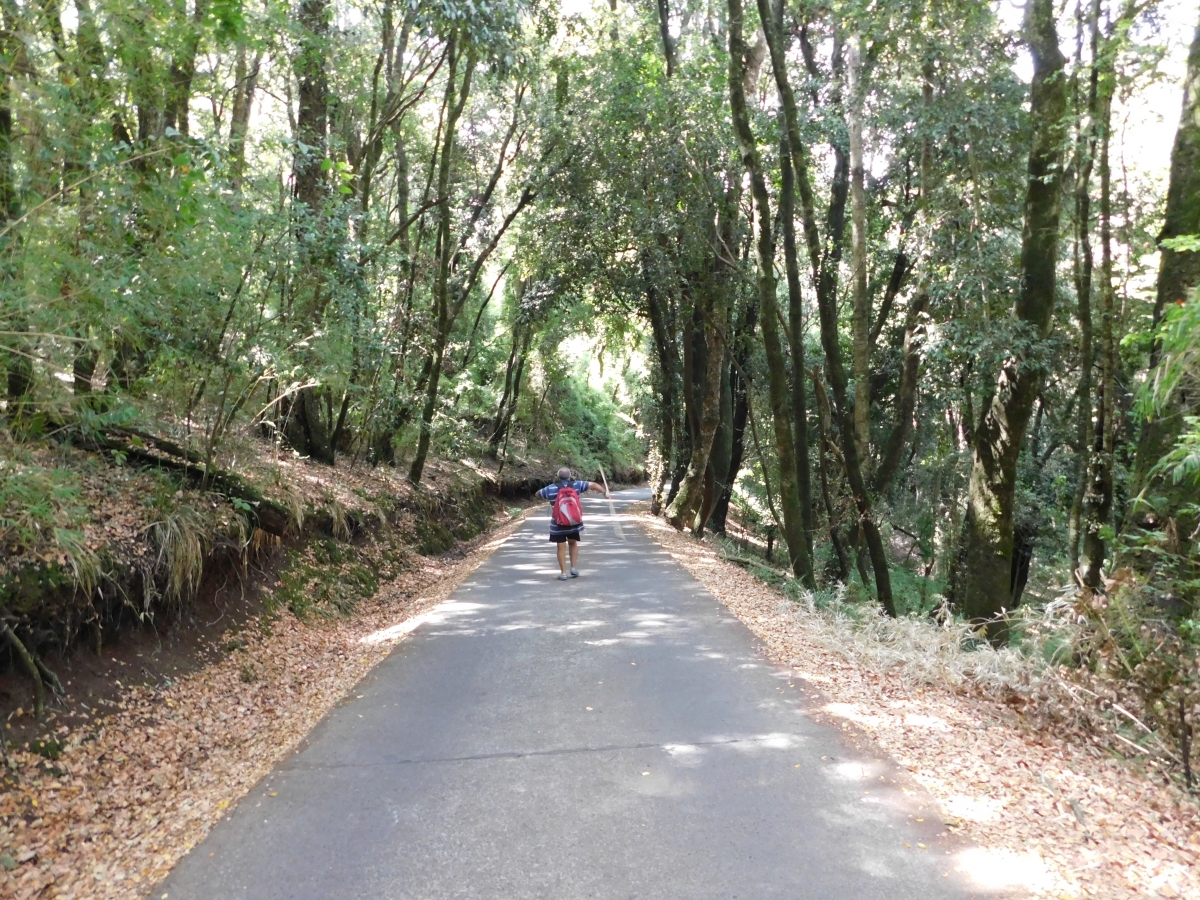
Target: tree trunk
[
  {"x": 836, "y": 373},
  {"x": 183, "y": 71},
  {"x": 858, "y": 255},
  {"x": 1178, "y": 278},
  {"x": 693, "y": 371},
  {"x": 825, "y": 269},
  {"x": 906, "y": 394},
  {"x": 312, "y": 122},
  {"x": 246, "y": 83},
  {"x": 307, "y": 427},
  {"x": 683, "y": 511},
  {"x": 664, "y": 347},
  {"x": 1085, "y": 151},
  {"x": 455, "y": 101},
  {"x": 664, "y": 31},
  {"x": 689, "y": 509},
  {"x": 739, "y": 389},
  {"x": 988, "y": 540},
  {"x": 827, "y": 448},
  {"x": 722, "y": 449},
  {"x": 1098, "y": 500},
  {"x": 773, "y": 30},
  {"x": 793, "y": 525},
  {"x": 720, "y": 514},
  {"x": 787, "y": 213},
  {"x": 512, "y": 384}
]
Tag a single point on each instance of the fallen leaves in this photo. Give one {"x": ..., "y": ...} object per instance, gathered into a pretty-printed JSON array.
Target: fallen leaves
[{"x": 1036, "y": 804}]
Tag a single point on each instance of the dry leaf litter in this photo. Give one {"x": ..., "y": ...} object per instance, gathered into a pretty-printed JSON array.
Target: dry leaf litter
[
  {"x": 135, "y": 790},
  {"x": 1048, "y": 817}
]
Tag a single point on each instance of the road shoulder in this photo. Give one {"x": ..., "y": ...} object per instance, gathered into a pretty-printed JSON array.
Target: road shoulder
[{"x": 1047, "y": 818}]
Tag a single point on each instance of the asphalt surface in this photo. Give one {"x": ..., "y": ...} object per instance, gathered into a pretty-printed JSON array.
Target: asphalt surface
[{"x": 619, "y": 735}]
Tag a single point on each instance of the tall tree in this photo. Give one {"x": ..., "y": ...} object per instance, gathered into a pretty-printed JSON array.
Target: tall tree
[
  {"x": 858, "y": 251},
  {"x": 687, "y": 509},
  {"x": 825, "y": 266},
  {"x": 183, "y": 68},
  {"x": 769, "y": 316},
  {"x": 985, "y": 590},
  {"x": 1085, "y": 153},
  {"x": 307, "y": 424},
  {"x": 1178, "y": 279}
]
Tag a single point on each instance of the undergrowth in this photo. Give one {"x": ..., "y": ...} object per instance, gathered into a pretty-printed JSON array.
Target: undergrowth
[
  {"x": 1107, "y": 666},
  {"x": 40, "y": 511},
  {"x": 330, "y": 577}
]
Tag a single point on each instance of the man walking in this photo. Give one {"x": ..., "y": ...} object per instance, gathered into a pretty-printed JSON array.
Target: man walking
[{"x": 566, "y": 517}]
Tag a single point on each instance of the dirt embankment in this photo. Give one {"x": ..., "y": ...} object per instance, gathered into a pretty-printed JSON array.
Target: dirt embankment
[{"x": 114, "y": 571}]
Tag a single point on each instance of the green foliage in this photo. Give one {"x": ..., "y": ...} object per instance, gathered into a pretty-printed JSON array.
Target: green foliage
[
  {"x": 327, "y": 579},
  {"x": 1179, "y": 368},
  {"x": 590, "y": 430},
  {"x": 1182, "y": 463},
  {"x": 40, "y": 511}
]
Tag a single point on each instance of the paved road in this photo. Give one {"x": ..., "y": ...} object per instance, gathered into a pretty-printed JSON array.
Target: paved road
[{"x": 615, "y": 736}]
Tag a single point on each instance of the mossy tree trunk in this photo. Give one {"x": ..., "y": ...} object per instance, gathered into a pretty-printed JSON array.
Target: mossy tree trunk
[
  {"x": 778, "y": 386},
  {"x": 708, "y": 342},
  {"x": 787, "y": 213},
  {"x": 1178, "y": 278},
  {"x": 1098, "y": 498},
  {"x": 308, "y": 421},
  {"x": 668, "y": 366},
  {"x": 985, "y": 590},
  {"x": 739, "y": 388},
  {"x": 825, "y": 273},
  {"x": 1085, "y": 153}
]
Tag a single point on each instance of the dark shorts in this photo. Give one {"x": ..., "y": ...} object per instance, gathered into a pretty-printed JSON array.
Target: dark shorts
[{"x": 566, "y": 536}]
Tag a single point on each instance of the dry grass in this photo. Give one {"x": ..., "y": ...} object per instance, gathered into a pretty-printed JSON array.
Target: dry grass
[
  {"x": 181, "y": 537},
  {"x": 133, "y": 791},
  {"x": 1052, "y": 815}
]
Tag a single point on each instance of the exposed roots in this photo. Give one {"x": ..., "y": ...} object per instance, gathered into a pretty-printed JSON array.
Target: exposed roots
[{"x": 29, "y": 664}]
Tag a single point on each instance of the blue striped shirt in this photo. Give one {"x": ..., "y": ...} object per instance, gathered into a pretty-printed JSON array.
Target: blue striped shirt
[{"x": 550, "y": 492}]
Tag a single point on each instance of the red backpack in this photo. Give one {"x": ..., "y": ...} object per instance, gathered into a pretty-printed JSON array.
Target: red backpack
[{"x": 567, "y": 511}]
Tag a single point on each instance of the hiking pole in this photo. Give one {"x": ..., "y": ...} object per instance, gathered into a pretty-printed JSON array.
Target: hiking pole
[{"x": 612, "y": 509}]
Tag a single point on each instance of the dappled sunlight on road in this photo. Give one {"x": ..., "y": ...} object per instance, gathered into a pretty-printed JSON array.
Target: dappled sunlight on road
[
  {"x": 996, "y": 870},
  {"x": 444, "y": 612},
  {"x": 655, "y": 626}
]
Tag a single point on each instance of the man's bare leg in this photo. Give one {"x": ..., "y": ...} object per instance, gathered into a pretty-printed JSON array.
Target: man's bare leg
[
  {"x": 574, "y": 554},
  {"x": 562, "y": 555}
]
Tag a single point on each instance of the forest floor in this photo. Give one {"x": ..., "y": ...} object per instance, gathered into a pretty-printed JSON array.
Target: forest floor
[
  {"x": 1051, "y": 816},
  {"x": 118, "y": 798}
]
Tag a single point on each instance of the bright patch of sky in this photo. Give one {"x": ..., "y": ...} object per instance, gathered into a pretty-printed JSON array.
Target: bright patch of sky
[
  {"x": 603, "y": 366},
  {"x": 1146, "y": 120}
]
